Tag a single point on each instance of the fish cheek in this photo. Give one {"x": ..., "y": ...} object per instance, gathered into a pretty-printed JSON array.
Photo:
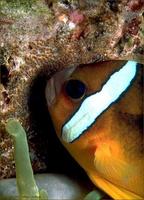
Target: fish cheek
[{"x": 91, "y": 141}]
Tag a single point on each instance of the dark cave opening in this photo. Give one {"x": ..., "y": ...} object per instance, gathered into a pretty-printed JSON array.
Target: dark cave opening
[
  {"x": 4, "y": 75},
  {"x": 49, "y": 148}
]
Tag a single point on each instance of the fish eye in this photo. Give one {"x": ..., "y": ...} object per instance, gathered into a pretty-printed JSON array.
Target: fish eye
[{"x": 75, "y": 89}]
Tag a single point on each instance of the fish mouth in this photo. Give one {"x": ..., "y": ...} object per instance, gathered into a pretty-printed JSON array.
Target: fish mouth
[{"x": 96, "y": 104}]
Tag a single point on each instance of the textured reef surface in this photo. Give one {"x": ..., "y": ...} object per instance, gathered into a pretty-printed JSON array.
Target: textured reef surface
[{"x": 41, "y": 37}]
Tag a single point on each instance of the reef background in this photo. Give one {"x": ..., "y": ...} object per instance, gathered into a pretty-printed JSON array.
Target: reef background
[{"x": 40, "y": 37}]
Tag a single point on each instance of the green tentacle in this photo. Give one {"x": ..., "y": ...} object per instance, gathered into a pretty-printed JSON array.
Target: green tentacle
[{"x": 27, "y": 187}]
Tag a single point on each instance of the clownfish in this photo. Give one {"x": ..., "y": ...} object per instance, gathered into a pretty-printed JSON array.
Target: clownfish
[{"x": 97, "y": 112}]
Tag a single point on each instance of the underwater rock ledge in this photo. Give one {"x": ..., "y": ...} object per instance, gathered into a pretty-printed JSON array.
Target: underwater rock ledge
[{"x": 41, "y": 37}]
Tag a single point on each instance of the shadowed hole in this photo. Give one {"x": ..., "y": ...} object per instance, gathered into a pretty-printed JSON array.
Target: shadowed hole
[{"x": 4, "y": 75}]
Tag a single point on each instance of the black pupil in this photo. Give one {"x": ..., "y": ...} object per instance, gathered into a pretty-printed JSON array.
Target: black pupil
[{"x": 75, "y": 89}]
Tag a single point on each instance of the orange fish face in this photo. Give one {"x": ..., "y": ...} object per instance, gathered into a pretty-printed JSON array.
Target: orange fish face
[{"x": 110, "y": 147}]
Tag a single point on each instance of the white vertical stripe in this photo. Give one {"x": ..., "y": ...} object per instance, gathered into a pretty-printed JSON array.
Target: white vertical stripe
[{"x": 97, "y": 103}]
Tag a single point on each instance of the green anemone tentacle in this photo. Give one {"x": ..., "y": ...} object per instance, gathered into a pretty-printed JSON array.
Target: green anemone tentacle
[{"x": 26, "y": 184}]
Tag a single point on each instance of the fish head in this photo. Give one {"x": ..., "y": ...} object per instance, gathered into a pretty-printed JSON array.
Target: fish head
[{"x": 97, "y": 113}]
